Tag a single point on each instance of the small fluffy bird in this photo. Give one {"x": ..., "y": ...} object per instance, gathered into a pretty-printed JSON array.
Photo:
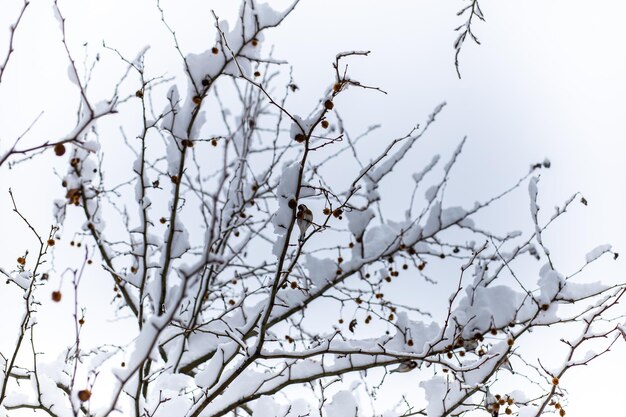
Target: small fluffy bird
[
  {"x": 405, "y": 367},
  {"x": 470, "y": 345},
  {"x": 304, "y": 219}
]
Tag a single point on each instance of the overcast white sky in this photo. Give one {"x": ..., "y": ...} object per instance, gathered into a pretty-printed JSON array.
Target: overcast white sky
[{"x": 548, "y": 81}]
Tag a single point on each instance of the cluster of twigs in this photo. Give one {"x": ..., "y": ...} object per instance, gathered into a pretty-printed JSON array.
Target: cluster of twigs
[{"x": 216, "y": 271}]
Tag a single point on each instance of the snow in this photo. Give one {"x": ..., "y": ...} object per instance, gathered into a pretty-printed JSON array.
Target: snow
[
  {"x": 299, "y": 126},
  {"x": 435, "y": 390},
  {"x": 431, "y": 193},
  {"x": 91, "y": 146},
  {"x": 528, "y": 411},
  {"x": 452, "y": 215},
  {"x": 57, "y": 16},
  {"x": 180, "y": 240},
  {"x": 479, "y": 370},
  {"x": 343, "y": 404},
  {"x": 385, "y": 167},
  {"x": 380, "y": 238},
  {"x": 267, "y": 406},
  {"x": 358, "y": 220},
  {"x": 550, "y": 284},
  {"x": 418, "y": 176},
  {"x": 321, "y": 271},
  {"x": 268, "y": 16},
  {"x": 287, "y": 189},
  {"x": 534, "y": 209},
  {"x": 576, "y": 291},
  {"x": 433, "y": 223},
  {"x": 485, "y": 307},
  {"x": 532, "y": 191},
  {"x": 597, "y": 252},
  {"x": 211, "y": 373},
  {"x": 21, "y": 279},
  {"x": 420, "y": 333}
]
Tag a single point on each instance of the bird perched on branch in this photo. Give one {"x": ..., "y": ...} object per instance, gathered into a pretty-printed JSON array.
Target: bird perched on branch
[
  {"x": 405, "y": 367},
  {"x": 304, "y": 218}
]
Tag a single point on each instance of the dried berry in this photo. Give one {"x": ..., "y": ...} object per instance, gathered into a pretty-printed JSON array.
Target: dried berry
[
  {"x": 352, "y": 325},
  {"x": 59, "y": 149},
  {"x": 84, "y": 395}
]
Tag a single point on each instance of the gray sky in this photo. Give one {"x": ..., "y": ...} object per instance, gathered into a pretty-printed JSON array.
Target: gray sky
[{"x": 547, "y": 81}]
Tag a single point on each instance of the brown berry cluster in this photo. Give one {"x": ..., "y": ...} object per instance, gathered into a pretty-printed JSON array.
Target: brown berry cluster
[
  {"x": 557, "y": 406},
  {"x": 502, "y": 402}
]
